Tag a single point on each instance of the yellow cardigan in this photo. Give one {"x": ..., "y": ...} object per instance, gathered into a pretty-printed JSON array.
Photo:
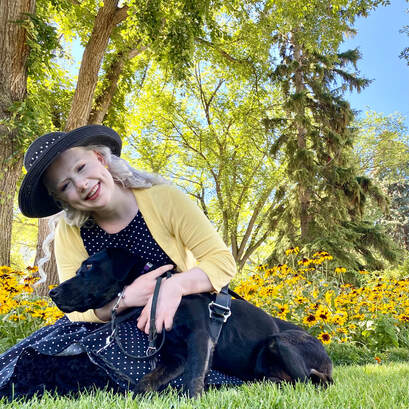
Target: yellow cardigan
[{"x": 176, "y": 223}]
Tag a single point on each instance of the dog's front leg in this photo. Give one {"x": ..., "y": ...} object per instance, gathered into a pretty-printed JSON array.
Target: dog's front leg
[
  {"x": 200, "y": 349},
  {"x": 171, "y": 366}
]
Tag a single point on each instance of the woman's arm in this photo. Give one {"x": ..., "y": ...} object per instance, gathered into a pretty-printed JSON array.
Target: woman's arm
[
  {"x": 192, "y": 230},
  {"x": 172, "y": 290},
  {"x": 137, "y": 294}
]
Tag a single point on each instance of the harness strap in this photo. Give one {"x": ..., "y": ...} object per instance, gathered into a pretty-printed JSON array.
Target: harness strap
[{"x": 219, "y": 312}]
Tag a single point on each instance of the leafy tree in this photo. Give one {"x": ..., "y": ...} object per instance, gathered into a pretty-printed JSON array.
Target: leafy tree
[
  {"x": 112, "y": 36},
  {"x": 382, "y": 148},
  {"x": 210, "y": 139},
  {"x": 325, "y": 200},
  {"x": 14, "y": 53}
]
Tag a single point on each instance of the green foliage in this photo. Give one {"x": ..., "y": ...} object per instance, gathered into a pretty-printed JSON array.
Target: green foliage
[
  {"x": 350, "y": 354},
  {"x": 43, "y": 42},
  {"x": 208, "y": 137},
  {"x": 12, "y": 332},
  {"x": 325, "y": 203}
]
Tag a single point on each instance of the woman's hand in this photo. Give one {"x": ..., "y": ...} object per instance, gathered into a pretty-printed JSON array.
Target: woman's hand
[
  {"x": 170, "y": 294},
  {"x": 193, "y": 281},
  {"x": 137, "y": 294}
]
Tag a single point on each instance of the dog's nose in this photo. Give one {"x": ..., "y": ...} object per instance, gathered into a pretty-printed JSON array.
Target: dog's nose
[{"x": 53, "y": 292}]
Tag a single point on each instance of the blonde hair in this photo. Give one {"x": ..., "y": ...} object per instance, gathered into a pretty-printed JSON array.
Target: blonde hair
[{"x": 122, "y": 173}]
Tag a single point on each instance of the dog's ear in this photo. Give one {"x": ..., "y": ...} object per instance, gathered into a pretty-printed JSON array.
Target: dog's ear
[
  {"x": 263, "y": 357},
  {"x": 286, "y": 346},
  {"x": 123, "y": 261}
]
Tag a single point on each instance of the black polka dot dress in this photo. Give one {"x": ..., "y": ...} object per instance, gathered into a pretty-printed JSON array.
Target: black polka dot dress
[{"x": 71, "y": 356}]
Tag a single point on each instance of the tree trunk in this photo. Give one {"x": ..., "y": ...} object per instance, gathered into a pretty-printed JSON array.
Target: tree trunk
[
  {"x": 103, "y": 102},
  {"x": 90, "y": 65},
  {"x": 107, "y": 18},
  {"x": 304, "y": 194},
  {"x": 13, "y": 88}
]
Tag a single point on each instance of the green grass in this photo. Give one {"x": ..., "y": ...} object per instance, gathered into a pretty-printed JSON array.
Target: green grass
[{"x": 370, "y": 386}]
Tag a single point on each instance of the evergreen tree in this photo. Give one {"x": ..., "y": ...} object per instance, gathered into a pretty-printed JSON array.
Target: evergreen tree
[{"x": 323, "y": 206}]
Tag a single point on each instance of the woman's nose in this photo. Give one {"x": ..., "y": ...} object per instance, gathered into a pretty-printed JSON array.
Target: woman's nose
[{"x": 82, "y": 184}]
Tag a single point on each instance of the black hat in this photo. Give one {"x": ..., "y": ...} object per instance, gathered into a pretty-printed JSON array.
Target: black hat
[{"x": 33, "y": 198}]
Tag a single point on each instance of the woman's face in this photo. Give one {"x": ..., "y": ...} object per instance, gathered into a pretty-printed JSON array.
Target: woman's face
[{"x": 79, "y": 177}]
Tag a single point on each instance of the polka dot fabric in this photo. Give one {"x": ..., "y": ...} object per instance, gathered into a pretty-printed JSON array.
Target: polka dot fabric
[
  {"x": 47, "y": 356},
  {"x": 135, "y": 238}
]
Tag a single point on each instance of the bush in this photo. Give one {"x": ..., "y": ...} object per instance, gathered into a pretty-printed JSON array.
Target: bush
[
  {"x": 21, "y": 312},
  {"x": 317, "y": 296}
]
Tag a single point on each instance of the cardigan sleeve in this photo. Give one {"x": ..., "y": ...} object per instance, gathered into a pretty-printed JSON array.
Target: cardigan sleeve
[
  {"x": 69, "y": 254},
  {"x": 194, "y": 229}
]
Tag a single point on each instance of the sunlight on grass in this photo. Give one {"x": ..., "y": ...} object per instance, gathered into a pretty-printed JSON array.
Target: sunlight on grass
[{"x": 356, "y": 387}]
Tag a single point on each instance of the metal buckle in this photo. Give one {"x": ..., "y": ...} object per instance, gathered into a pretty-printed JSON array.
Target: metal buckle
[
  {"x": 150, "y": 351},
  {"x": 224, "y": 314}
]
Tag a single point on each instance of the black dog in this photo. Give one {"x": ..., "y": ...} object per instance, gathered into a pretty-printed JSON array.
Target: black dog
[{"x": 252, "y": 344}]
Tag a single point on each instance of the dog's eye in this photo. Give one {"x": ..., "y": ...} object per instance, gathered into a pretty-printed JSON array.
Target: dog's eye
[{"x": 89, "y": 266}]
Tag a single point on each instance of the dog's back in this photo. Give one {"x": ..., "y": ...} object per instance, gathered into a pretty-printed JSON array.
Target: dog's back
[{"x": 252, "y": 344}]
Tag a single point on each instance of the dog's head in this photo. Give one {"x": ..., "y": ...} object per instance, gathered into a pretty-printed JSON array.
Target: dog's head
[
  {"x": 291, "y": 356},
  {"x": 99, "y": 279}
]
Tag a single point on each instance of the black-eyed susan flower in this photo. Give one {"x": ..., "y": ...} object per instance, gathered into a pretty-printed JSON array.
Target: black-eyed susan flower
[
  {"x": 324, "y": 337},
  {"x": 310, "y": 320}
]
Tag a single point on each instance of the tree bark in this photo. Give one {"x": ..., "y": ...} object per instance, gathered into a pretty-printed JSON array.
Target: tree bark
[
  {"x": 304, "y": 194},
  {"x": 107, "y": 18},
  {"x": 94, "y": 51},
  {"x": 103, "y": 102},
  {"x": 13, "y": 88}
]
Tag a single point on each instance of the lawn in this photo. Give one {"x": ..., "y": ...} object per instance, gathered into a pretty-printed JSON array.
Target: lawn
[{"x": 369, "y": 386}]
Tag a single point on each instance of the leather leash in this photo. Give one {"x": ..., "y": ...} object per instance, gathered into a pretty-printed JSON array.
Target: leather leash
[
  {"x": 219, "y": 312},
  {"x": 152, "y": 350}
]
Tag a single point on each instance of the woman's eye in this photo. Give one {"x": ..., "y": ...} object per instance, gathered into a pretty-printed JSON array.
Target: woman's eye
[
  {"x": 81, "y": 167},
  {"x": 64, "y": 187}
]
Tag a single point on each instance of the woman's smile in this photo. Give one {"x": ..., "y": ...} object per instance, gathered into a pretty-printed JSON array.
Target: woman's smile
[{"x": 95, "y": 192}]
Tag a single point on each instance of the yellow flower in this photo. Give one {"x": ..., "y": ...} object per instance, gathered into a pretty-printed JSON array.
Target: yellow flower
[
  {"x": 322, "y": 314},
  {"x": 340, "y": 270},
  {"x": 282, "y": 309},
  {"x": 300, "y": 300},
  {"x": 403, "y": 317},
  {"x": 309, "y": 320},
  {"x": 17, "y": 317},
  {"x": 5, "y": 270},
  {"x": 324, "y": 337},
  {"x": 292, "y": 250}
]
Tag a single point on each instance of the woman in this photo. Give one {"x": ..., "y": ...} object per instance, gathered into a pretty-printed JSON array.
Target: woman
[{"x": 107, "y": 203}]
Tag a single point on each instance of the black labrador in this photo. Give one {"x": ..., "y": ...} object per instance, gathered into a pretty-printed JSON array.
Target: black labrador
[{"x": 252, "y": 345}]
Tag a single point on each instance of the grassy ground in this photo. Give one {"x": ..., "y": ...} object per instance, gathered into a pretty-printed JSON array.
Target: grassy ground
[{"x": 370, "y": 386}]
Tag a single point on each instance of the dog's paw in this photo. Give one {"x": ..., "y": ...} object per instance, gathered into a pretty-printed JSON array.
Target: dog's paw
[
  {"x": 143, "y": 386},
  {"x": 148, "y": 383},
  {"x": 193, "y": 388}
]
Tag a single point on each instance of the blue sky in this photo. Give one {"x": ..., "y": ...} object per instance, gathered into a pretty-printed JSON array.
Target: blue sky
[{"x": 380, "y": 44}]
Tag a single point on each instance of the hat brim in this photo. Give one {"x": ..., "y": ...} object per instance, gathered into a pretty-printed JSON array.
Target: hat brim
[{"x": 33, "y": 198}]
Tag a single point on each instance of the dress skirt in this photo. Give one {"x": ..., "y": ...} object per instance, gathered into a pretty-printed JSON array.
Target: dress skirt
[{"x": 68, "y": 357}]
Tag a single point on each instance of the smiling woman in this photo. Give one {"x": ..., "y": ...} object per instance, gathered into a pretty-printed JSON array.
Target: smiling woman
[
  {"x": 80, "y": 179},
  {"x": 106, "y": 203}
]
